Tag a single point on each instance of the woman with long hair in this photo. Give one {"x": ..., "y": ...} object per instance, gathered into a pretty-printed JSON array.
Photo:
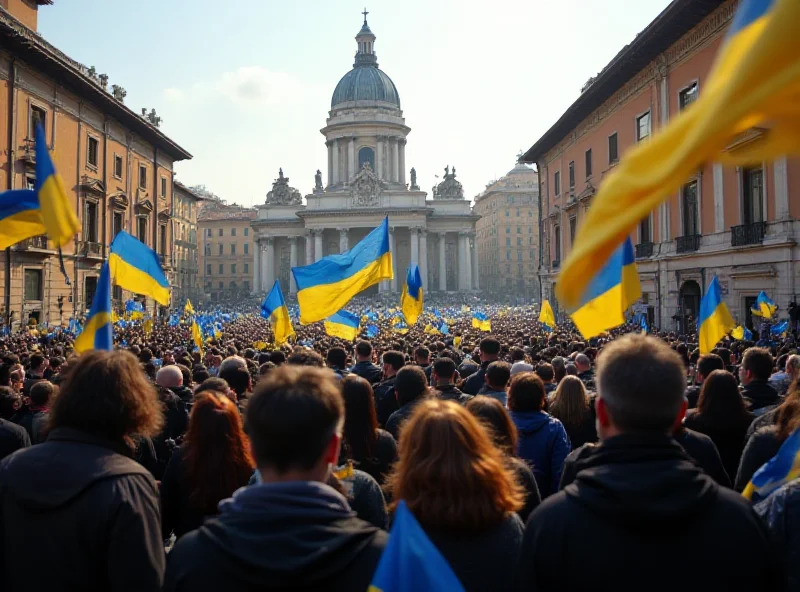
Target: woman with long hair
[
  {"x": 213, "y": 462},
  {"x": 495, "y": 418},
  {"x": 82, "y": 479},
  {"x": 573, "y": 408},
  {"x": 371, "y": 449},
  {"x": 457, "y": 485},
  {"x": 722, "y": 415}
]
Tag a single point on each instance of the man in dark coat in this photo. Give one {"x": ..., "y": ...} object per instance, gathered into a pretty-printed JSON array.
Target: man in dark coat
[
  {"x": 639, "y": 501},
  {"x": 444, "y": 373},
  {"x": 291, "y": 530},
  {"x": 411, "y": 387},
  {"x": 364, "y": 366},
  {"x": 38, "y": 366},
  {"x": 754, "y": 373},
  {"x": 12, "y": 436},
  {"x": 385, "y": 398},
  {"x": 705, "y": 366},
  {"x": 489, "y": 352}
]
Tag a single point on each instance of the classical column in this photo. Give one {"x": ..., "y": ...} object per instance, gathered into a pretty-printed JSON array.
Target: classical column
[
  {"x": 379, "y": 157},
  {"x": 402, "y": 168},
  {"x": 414, "y": 245},
  {"x": 474, "y": 255},
  {"x": 270, "y": 274},
  {"x": 442, "y": 261},
  {"x": 292, "y": 263},
  {"x": 351, "y": 158},
  {"x": 423, "y": 258},
  {"x": 781, "y": 189},
  {"x": 257, "y": 268},
  {"x": 343, "y": 240},
  {"x": 462, "y": 261},
  {"x": 317, "y": 244},
  {"x": 719, "y": 200},
  {"x": 396, "y": 161},
  {"x": 336, "y": 161},
  {"x": 392, "y": 243},
  {"x": 309, "y": 247},
  {"x": 329, "y": 144},
  {"x": 467, "y": 263}
]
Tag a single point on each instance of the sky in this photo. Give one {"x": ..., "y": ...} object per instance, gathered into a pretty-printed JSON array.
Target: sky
[{"x": 245, "y": 86}]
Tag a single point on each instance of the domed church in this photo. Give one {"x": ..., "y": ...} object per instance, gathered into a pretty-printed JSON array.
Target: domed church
[{"x": 365, "y": 179}]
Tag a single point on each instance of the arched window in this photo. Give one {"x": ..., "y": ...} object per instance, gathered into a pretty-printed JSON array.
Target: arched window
[{"x": 366, "y": 154}]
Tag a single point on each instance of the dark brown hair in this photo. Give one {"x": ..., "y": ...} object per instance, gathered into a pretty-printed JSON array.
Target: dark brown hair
[
  {"x": 360, "y": 421},
  {"x": 526, "y": 393},
  {"x": 450, "y": 474},
  {"x": 495, "y": 417},
  {"x": 106, "y": 394},
  {"x": 218, "y": 460},
  {"x": 570, "y": 403},
  {"x": 720, "y": 400}
]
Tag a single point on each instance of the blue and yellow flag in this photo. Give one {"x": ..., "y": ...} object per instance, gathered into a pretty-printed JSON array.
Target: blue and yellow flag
[
  {"x": 411, "y": 562},
  {"x": 742, "y": 333},
  {"x": 755, "y": 83},
  {"x": 325, "y": 287},
  {"x": 481, "y": 321},
  {"x": 343, "y": 325},
  {"x": 715, "y": 321},
  {"x": 197, "y": 335},
  {"x": 764, "y": 306},
  {"x": 188, "y": 309},
  {"x": 411, "y": 298},
  {"x": 20, "y": 217},
  {"x": 779, "y": 470},
  {"x": 58, "y": 216},
  {"x": 546, "y": 316},
  {"x": 274, "y": 309},
  {"x": 98, "y": 331},
  {"x": 401, "y": 328},
  {"x": 610, "y": 293},
  {"x": 135, "y": 267}
]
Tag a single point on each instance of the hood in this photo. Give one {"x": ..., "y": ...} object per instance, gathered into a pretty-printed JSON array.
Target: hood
[
  {"x": 274, "y": 534},
  {"x": 183, "y": 392},
  {"x": 529, "y": 423},
  {"x": 50, "y": 475},
  {"x": 641, "y": 482}
]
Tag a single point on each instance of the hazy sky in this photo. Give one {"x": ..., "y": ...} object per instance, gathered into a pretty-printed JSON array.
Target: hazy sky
[{"x": 245, "y": 86}]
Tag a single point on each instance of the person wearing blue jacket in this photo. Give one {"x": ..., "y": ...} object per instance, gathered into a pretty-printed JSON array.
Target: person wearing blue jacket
[{"x": 543, "y": 441}]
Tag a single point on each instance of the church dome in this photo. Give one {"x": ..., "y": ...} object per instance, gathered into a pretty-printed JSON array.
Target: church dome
[{"x": 365, "y": 82}]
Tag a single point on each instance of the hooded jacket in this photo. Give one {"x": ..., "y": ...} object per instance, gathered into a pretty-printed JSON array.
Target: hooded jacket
[
  {"x": 300, "y": 535},
  {"x": 367, "y": 370},
  {"x": 781, "y": 513},
  {"x": 544, "y": 445},
  {"x": 78, "y": 514},
  {"x": 630, "y": 519},
  {"x": 449, "y": 392},
  {"x": 760, "y": 394}
]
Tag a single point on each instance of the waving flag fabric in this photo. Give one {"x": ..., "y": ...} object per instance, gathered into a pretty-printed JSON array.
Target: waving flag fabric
[
  {"x": 20, "y": 217},
  {"x": 755, "y": 82},
  {"x": 411, "y": 298},
  {"x": 764, "y": 307},
  {"x": 481, "y": 321},
  {"x": 98, "y": 331},
  {"x": 782, "y": 468},
  {"x": 274, "y": 309},
  {"x": 715, "y": 320},
  {"x": 343, "y": 325},
  {"x": 188, "y": 309},
  {"x": 546, "y": 316},
  {"x": 135, "y": 267}
]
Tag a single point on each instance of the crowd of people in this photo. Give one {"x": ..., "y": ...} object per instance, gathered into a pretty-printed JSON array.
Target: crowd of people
[{"x": 532, "y": 459}]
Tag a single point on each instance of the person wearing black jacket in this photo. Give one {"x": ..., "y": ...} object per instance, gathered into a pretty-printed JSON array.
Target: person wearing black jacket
[
  {"x": 364, "y": 366},
  {"x": 705, "y": 366},
  {"x": 489, "y": 352},
  {"x": 443, "y": 375},
  {"x": 754, "y": 373},
  {"x": 385, "y": 398},
  {"x": 410, "y": 387},
  {"x": 291, "y": 530},
  {"x": 76, "y": 512},
  {"x": 638, "y": 501}
]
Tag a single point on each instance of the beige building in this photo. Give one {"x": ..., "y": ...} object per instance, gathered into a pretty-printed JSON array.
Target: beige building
[
  {"x": 226, "y": 250},
  {"x": 507, "y": 235},
  {"x": 186, "y": 283},
  {"x": 117, "y": 167}
]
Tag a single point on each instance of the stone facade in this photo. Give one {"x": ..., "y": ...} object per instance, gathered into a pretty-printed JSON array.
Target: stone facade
[
  {"x": 737, "y": 223},
  {"x": 227, "y": 250},
  {"x": 186, "y": 283},
  {"x": 365, "y": 134},
  {"x": 508, "y": 234},
  {"x": 117, "y": 167}
]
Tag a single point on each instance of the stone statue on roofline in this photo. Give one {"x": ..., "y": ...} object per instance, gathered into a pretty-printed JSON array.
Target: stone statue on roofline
[
  {"x": 449, "y": 188},
  {"x": 282, "y": 194},
  {"x": 318, "y": 188},
  {"x": 414, "y": 185}
]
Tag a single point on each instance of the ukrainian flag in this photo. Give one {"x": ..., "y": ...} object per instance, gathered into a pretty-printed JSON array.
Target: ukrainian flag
[
  {"x": 20, "y": 217},
  {"x": 715, "y": 320},
  {"x": 754, "y": 83},
  {"x": 98, "y": 332},
  {"x": 546, "y": 316},
  {"x": 58, "y": 216},
  {"x": 135, "y": 267},
  {"x": 411, "y": 561},
  {"x": 401, "y": 328},
  {"x": 779, "y": 470},
  {"x": 611, "y": 292},
  {"x": 325, "y": 287},
  {"x": 343, "y": 324},
  {"x": 764, "y": 307},
  {"x": 197, "y": 335},
  {"x": 481, "y": 321},
  {"x": 188, "y": 309},
  {"x": 411, "y": 298},
  {"x": 274, "y": 309}
]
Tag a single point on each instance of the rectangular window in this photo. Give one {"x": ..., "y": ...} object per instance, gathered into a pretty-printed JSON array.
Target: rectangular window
[
  {"x": 588, "y": 163},
  {"x": 689, "y": 209},
  {"x": 519, "y": 229},
  {"x": 220, "y": 249},
  {"x": 519, "y": 241},
  {"x": 220, "y": 232},
  {"x": 642, "y": 126},
  {"x": 162, "y": 239},
  {"x": 508, "y": 255},
  {"x": 208, "y": 269},
  {"x": 508, "y": 213},
  {"x": 557, "y": 183},
  {"x": 508, "y": 242},
  {"x": 30, "y": 182},
  {"x": 116, "y": 224},
  {"x": 142, "y": 176},
  {"x": 164, "y": 187},
  {"x": 233, "y": 268},
  {"x": 221, "y": 268},
  {"x": 613, "y": 154},
  {"x": 118, "y": 166},
  {"x": 644, "y": 231},
  {"x": 247, "y": 268},
  {"x": 221, "y": 285},
  {"x": 246, "y": 283},
  {"x": 557, "y": 235},
  {"x": 33, "y": 284},
  {"x": 247, "y": 231},
  {"x": 93, "y": 149},
  {"x": 508, "y": 230},
  {"x": 687, "y": 96},
  {"x": 38, "y": 117},
  {"x": 141, "y": 229},
  {"x": 573, "y": 225},
  {"x": 90, "y": 222},
  {"x": 572, "y": 174},
  {"x": 246, "y": 247},
  {"x": 233, "y": 232},
  {"x": 753, "y": 195},
  {"x": 233, "y": 248}
]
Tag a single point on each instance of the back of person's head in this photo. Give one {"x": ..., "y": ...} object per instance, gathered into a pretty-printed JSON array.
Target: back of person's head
[
  {"x": 218, "y": 459},
  {"x": 583, "y": 362},
  {"x": 422, "y": 355},
  {"x": 444, "y": 368},
  {"x": 449, "y": 472},
  {"x": 336, "y": 357},
  {"x": 571, "y": 369},
  {"x": 169, "y": 377},
  {"x": 708, "y": 363},
  {"x": 526, "y": 393},
  {"x": 793, "y": 366},
  {"x": 277, "y": 357},
  {"x": 363, "y": 349},
  {"x": 360, "y": 422},
  {"x": 36, "y": 360},
  {"x": 213, "y": 385},
  {"x": 517, "y": 354},
  {"x": 233, "y": 361},
  {"x": 305, "y": 357},
  {"x": 498, "y": 374},
  {"x": 106, "y": 394},
  {"x": 200, "y": 374},
  {"x": 559, "y": 368},
  {"x": 641, "y": 383},
  {"x": 489, "y": 346},
  {"x": 495, "y": 417},
  {"x": 758, "y": 361},
  {"x": 411, "y": 384},
  {"x": 570, "y": 402},
  {"x": 186, "y": 373},
  {"x": 10, "y": 402},
  {"x": 545, "y": 372},
  {"x": 265, "y": 368},
  {"x": 293, "y": 418},
  {"x": 720, "y": 399},
  {"x": 237, "y": 378},
  {"x": 42, "y": 393},
  {"x": 395, "y": 359}
]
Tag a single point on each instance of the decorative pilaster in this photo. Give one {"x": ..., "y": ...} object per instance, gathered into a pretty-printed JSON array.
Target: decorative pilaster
[
  {"x": 379, "y": 157},
  {"x": 423, "y": 258},
  {"x": 343, "y": 245},
  {"x": 396, "y": 160},
  {"x": 442, "y": 261},
  {"x": 317, "y": 244},
  {"x": 257, "y": 268},
  {"x": 329, "y": 144},
  {"x": 781, "y": 189},
  {"x": 402, "y": 168},
  {"x": 468, "y": 262},
  {"x": 462, "y": 261},
  {"x": 414, "y": 245},
  {"x": 719, "y": 199},
  {"x": 292, "y": 263}
]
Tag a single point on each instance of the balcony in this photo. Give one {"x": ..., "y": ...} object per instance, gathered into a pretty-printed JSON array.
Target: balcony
[
  {"x": 644, "y": 250},
  {"x": 165, "y": 260},
  {"x": 688, "y": 243},
  {"x": 556, "y": 263},
  {"x": 90, "y": 249},
  {"x": 35, "y": 243},
  {"x": 748, "y": 234}
]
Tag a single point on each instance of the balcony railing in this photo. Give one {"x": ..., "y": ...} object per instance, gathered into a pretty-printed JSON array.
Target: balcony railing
[
  {"x": 35, "y": 242},
  {"x": 90, "y": 249},
  {"x": 644, "y": 250},
  {"x": 556, "y": 263},
  {"x": 688, "y": 243},
  {"x": 748, "y": 234},
  {"x": 166, "y": 260}
]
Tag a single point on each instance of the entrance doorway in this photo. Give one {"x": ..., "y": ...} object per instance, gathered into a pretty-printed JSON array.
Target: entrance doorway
[{"x": 689, "y": 301}]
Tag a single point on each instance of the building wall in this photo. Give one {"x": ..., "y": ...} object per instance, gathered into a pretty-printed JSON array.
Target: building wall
[
  {"x": 230, "y": 282},
  {"x": 185, "y": 254},
  {"x": 25, "y": 11},
  {"x": 668, "y": 269}
]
